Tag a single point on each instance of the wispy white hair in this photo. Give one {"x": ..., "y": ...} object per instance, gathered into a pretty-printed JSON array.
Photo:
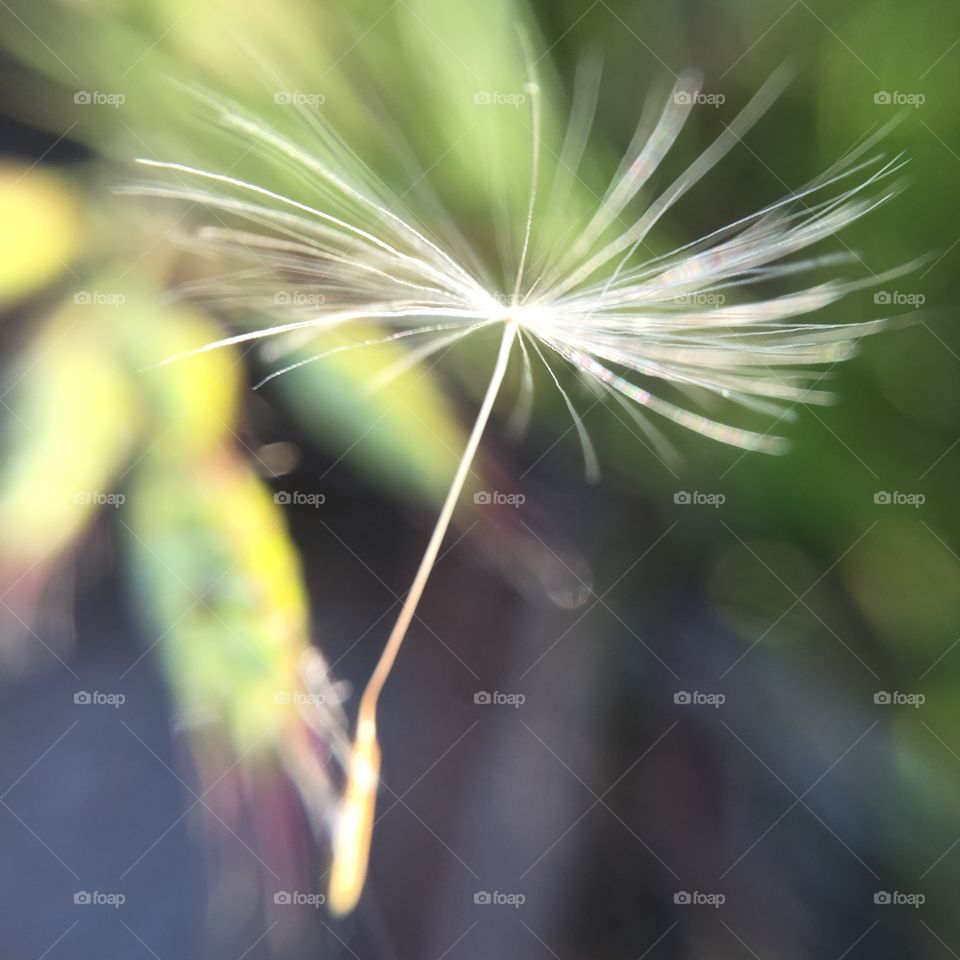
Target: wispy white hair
[{"x": 690, "y": 319}]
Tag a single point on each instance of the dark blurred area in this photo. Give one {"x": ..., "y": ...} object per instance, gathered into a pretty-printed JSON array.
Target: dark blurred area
[{"x": 718, "y": 719}]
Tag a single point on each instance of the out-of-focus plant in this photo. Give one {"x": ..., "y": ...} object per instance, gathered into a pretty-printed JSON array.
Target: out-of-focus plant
[
  {"x": 98, "y": 432},
  {"x": 48, "y": 230}
]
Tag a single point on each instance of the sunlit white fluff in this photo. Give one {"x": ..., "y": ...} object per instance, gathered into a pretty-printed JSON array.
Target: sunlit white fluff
[{"x": 685, "y": 319}]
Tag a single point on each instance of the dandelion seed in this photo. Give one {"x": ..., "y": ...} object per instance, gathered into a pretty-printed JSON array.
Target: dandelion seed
[{"x": 584, "y": 298}]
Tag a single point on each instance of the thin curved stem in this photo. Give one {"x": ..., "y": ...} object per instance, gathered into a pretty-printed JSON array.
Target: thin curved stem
[{"x": 354, "y": 828}]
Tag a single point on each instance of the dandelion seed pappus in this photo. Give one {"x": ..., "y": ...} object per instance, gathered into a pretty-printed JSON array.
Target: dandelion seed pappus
[{"x": 636, "y": 329}]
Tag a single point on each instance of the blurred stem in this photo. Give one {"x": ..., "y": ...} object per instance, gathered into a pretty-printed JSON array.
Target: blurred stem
[
  {"x": 354, "y": 829},
  {"x": 368, "y": 702}
]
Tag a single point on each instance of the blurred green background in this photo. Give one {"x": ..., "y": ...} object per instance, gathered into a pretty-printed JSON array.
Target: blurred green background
[{"x": 149, "y": 548}]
